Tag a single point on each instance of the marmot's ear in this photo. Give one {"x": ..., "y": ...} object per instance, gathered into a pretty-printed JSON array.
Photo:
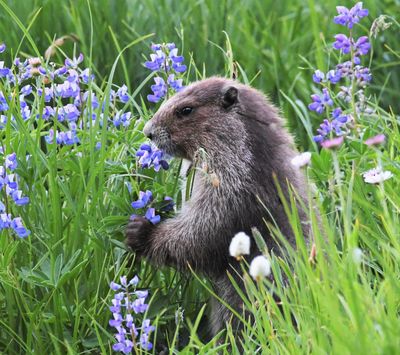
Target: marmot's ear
[{"x": 230, "y": 96}]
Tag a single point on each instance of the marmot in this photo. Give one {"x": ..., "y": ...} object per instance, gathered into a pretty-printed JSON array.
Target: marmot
[{"x": 245, "y": 144}]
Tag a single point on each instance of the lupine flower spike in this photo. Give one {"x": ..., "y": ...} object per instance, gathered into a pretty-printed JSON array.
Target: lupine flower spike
[
  {"x": 353, "y": 77},
  {"x": 126, "y": 307},
  {"x": 166, "y": 62}
]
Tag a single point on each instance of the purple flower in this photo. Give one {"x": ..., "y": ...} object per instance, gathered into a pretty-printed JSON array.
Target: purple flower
[
  {"x": 363, "y": 74},
  {"x": 3, "y": 102},
  {"x": 158, "y": 59},
  {"x": 25, "y": 110},
  {"x": 124, "y": 346},
  {"x": 175, "y": 84},
  {"x": 129, "y": 323},
  {"x": 70, "y": 112},
  {"x": 122, "y": 93},
  {"x": 117, "y": 321},
  {"x": 348, "y": 17},
  {"x": 114, "y": 286},
  {"x": 327, "y": 128},
  {"x": 151, "y": 216},
  {"x": 345, "y": 68},
  {"x": 159, "y": 90},
  {"x": 11, "y": 161},
  {"x": 342, "y": 43},
  {"x": 134, "y": 281},
  {"x": 337, "y": 115},
  {"x": 5, "y": 220},
  {"x": 177, "y": 61},
  {"x": 362, "y": 46},
  {"x": 144, "y": 341},
  {"x": 324, "y": 129},
  {"x": 141, "y": 293},
  {"x": 19, "y": 228},
  {"x": 48, "y": 93},
  {"x": 86, "y": 76},
  {"x": 48, "y": 112},
  {"x": 4, "y": 71},
  {"x": 318, "y": 76},
  {"x": 158, "y": 161},
  {"x": 170, "y": 46},
  {"x": 9, "y": 180},
  {"x": 139, "y": 306},
  {"x": 2, "y": 47},
  {"x": 42, "y": 71},
  {"x": 60, "y": 72},
  {"x": 124, "y": 304},
  {"x": 26, "y": 90},
  {"x": 320, "y": 102},
  {"x": 165, "y": 58},
  {"x": 144, "y": 199},
  {"x": 345, "y": 93},
  {"x": 50, "y": 137},
  {"x": 334, "y": 76},
  {"x": 151, "y": 157},
  {"x": 119, "y": 296},
  {"x": 70, "y": 87},
  {"x": 155, "y": 47},
  {"x": 73, "y": 63},
  {"x": 67, "y": 138},
  {"x": 116, "y": 305},
  {"x": 18, "y": 198},
  {"x": 124, "y": 281},
  {"x": 147, "y": 327},
  {"x": 93, "y": 99},
  {"x": 122, "y": 119}
]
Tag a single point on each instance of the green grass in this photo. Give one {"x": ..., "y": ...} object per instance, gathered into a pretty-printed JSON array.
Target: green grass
[
  {"x": 269, "y": 39},
  {"x": 54, "y": 286}
]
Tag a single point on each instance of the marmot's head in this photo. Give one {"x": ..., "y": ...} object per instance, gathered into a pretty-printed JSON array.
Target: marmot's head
[
  {"x": 221, "y": 116},
  {"x": 203, "y": 115}
]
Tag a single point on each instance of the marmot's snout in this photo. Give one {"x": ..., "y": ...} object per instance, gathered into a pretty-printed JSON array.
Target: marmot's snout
[{"x": 159, "y": 136}]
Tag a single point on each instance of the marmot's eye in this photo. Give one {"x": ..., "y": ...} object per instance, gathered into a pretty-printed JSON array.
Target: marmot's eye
[{"x": 186, "y": 111}]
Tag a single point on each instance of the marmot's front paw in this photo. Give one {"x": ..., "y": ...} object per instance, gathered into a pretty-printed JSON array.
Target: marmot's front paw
[{"x": 137, "y": 234}]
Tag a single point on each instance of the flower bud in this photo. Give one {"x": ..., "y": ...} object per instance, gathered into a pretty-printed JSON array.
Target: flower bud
[
  {"x": 260, "y": 267},
  {"x": 240, "y": 245}
]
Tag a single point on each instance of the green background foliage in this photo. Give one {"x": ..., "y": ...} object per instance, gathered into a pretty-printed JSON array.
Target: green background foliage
[
  {"x": 54, "y": 289},
  {"x": 277, "y": 43}
]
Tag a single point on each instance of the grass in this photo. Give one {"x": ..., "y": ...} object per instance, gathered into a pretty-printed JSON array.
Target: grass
[
  {"x": 264, "y": 37},
  {"x": 54, "y": 289}
]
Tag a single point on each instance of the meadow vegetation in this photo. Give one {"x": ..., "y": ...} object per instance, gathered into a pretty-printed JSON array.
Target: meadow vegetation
[{"x": 75, "y": 166}]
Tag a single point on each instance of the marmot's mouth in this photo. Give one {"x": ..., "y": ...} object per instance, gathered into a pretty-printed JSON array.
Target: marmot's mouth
[
  {"x": 163, "y": 143},
  {"x": 169, "y": 148},
  {"x": 162, "y": 140}
]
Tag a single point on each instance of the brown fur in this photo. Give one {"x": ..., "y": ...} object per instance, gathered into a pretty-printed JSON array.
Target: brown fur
[{"x": 245, "y": 144}]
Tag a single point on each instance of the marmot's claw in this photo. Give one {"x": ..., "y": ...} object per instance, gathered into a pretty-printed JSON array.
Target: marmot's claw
[
  {"x": 136, "y": 225},
  {"x": 137, "y": 233}
]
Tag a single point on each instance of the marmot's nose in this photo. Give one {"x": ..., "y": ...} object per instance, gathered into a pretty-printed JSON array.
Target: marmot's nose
[{"x": 148, "y": 129}]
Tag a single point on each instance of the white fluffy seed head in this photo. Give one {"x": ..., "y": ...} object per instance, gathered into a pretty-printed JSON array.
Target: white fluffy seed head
[
  {"x": 240, "y": 245},
  {"x": 260, "y": 267},
  {"x": 357, "y": 255},
  {"x": 301, "y": 160}
]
